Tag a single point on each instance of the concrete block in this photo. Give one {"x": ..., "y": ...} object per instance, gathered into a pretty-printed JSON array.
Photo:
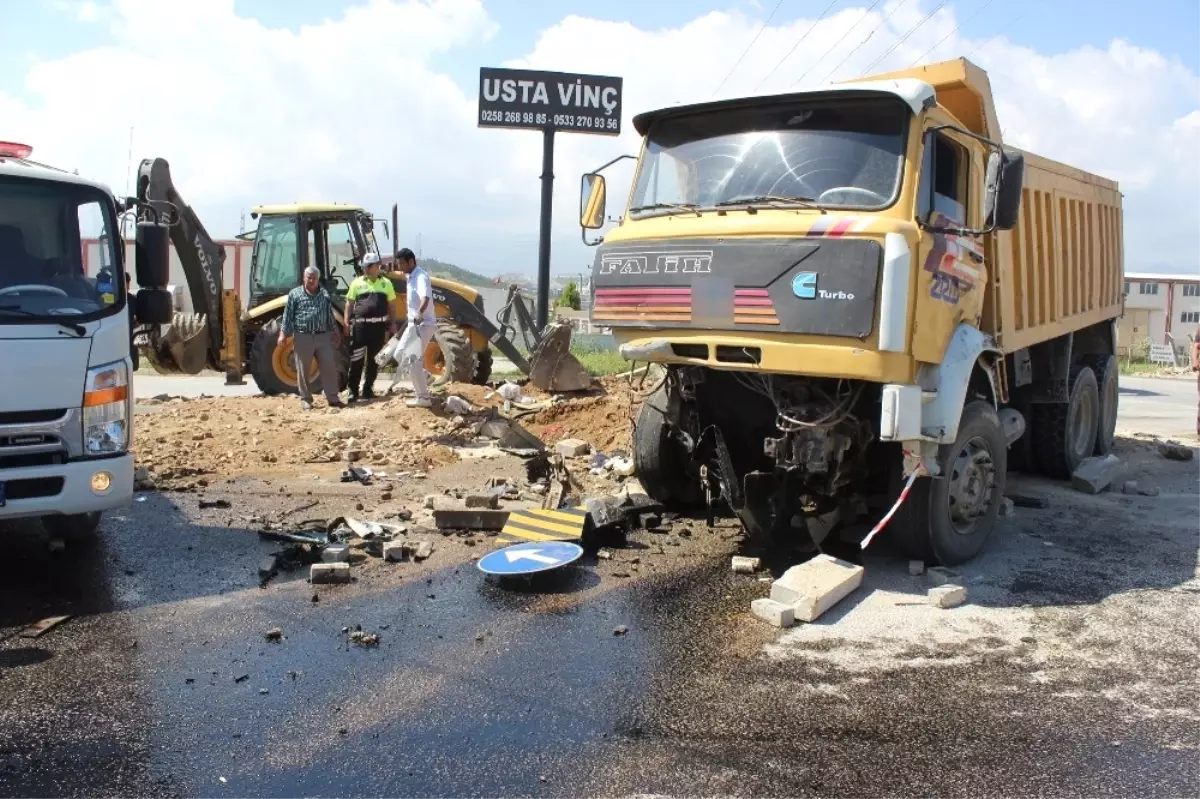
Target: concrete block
[
  {"x": 947, "y": 596},
  {"x": 743, "y": 565},
  {"x": 395, "y": 551},
  {"x": 1096, "y": 474},
  {"x": 940, "y": 575},
  {"x": 329, "y": 573},
  {"x": 916, "y": 567},
  {"x": 572, "y": 448},
  {"x": 423, "y": 551},
  {"x": 335, "y": 553},
  {"x": 482, "y": 501},
  {"x": 772, "y": 612},
  {"x": 1129, "y": 487},
  {"x": 268, "y": 566},
  {"x": 817, "y": 585},
  {"x": 1007, "y": 508}
]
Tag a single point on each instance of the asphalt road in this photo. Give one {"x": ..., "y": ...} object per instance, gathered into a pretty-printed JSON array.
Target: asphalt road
[{"x": 1071, "y": 672}]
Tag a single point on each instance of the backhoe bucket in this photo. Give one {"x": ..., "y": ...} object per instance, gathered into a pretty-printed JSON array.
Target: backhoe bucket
[
  {"x": 552, "y": 367},
  {"x": 182, "y": 348}
]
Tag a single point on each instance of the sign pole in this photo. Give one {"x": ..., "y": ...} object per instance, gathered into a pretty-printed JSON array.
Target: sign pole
[{"x": 543, "y": 295}]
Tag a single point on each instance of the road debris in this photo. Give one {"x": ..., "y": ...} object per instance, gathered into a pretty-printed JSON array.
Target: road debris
[
  {"x": 620, "y": 630},
  {"x": 744, "y": 565},
  {"x": 1174, "y": 451},
  {"x": 275, "y": 635},
  {"x": 572, "y": 448},
  {"x": 241, "y": 678},
  {"x": 940, "y": 575},
  {"x": 327, "y": 573},
  {"x": 458, "y": 405},
  {"x": 395, "y": 551},
  {"x": 1022, "y": 501},
  {"x": 423, "y": 551},
  {"x": 916, "y": 567},
  {"x": 469, "y": 519},
  {"x": 335, "y": 553},
  {"x": 1095, "y": 474},
  {"x": 773, "y": 612},
  {"x": 1129, "y": 487},
  {"x": 482, "y": 501},
  {"x": 1007, "y": 507},
  {"x": 40, "y": 628},
  {"x": 947, "y": 596},
  {"x": 361, "y": 638},
  {"x": 215, "y": 503},
  {"x": 815, "y": 586}
]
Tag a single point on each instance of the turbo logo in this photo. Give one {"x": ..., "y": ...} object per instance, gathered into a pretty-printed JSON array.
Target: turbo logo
[{"x": 804, "y": 286}]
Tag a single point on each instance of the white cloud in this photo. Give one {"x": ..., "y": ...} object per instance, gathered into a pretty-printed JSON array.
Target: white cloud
[{"x": 352, "y": 110}]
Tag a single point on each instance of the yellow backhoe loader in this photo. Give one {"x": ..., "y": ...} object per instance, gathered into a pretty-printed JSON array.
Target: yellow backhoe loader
[{"x": 219, "y": 335}]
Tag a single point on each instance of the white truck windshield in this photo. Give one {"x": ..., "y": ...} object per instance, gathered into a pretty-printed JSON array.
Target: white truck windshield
[
  {"x": 840, "y": 153},
  {"x": 57, "y": 252}
]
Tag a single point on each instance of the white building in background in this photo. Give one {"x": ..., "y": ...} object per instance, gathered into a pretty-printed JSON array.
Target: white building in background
[{"x": 1158, "y": 305}]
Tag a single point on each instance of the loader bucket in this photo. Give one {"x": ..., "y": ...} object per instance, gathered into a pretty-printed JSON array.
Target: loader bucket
[
  {"x": 552, "y": 367},
  {"x": 182, "y": 348}
]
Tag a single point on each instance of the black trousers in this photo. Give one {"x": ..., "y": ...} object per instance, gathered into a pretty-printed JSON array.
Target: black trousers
[{"x": 366, "y": 340}]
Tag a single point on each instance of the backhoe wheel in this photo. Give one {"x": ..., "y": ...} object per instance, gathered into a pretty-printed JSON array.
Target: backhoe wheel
[
  {"x": 948, "y": 519},
  {"x": 660, "y": 462},
  {"x": 1105, "y": 367},
  {"x": 1064, "y": 433},
  {"x": 274, "y": 366},
  {"x": 449, "y": 358},
  {"x": 483, "y": 367}
]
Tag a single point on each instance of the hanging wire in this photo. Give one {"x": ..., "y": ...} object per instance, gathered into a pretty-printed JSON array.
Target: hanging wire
[
  {"x": 951, "y": 33},
  {"x": 737, "y": 63},
  {"x": 797, "y": 44},
  {"x": 875, "y": 30},
  {"x": 835, "y": 44},
  {"x": 903, "y": 38},
  {"x": 1003, "y": 30}
]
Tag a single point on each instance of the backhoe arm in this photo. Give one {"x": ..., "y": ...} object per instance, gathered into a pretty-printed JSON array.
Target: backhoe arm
[{"x": 203, "y": 260}]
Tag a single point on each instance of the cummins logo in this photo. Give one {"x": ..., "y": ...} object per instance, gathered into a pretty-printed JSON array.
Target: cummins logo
[{"x": 804, "y": 286}]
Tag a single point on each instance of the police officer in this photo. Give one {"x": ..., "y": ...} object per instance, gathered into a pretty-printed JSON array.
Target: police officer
[{"x": 371, "y": 319}]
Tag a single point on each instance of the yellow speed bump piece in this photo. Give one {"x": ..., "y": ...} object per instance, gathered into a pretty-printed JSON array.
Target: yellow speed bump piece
[{"x": 539, "y": 524}]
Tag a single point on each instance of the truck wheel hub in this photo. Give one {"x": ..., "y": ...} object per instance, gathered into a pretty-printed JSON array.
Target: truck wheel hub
[{"x": 972, "y": 483}]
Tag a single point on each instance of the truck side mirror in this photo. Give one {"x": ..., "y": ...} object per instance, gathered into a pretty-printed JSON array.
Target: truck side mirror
[
  {"x": 591, "y": 202},
  {"x": 152, "y": 259},
  {"x": 1005, "y": 179}
]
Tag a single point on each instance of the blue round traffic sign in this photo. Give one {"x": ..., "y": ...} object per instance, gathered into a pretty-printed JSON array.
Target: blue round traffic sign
[{"x": 530, "y": 558}]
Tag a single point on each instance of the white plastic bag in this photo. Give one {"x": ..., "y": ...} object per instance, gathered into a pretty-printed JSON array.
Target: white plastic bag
[
  {"x": 388, "y": 352},
  {"x": 510, "y": 391},
  {"x": 457, "y": 405},
  {"x": 409, "y": 348}
]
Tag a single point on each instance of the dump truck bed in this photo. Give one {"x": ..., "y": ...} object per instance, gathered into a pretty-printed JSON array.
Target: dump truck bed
[{"x": 1061, "y": 268}]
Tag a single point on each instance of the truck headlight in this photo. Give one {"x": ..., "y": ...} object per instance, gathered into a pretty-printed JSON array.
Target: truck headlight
[{"x": 106, "y": 409}]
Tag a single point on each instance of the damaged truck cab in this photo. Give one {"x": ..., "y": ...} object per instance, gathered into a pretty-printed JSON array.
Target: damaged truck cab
[{"x": 857, "y": 289}]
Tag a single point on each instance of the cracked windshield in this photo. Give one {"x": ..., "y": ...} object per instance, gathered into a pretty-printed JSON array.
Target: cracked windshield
[
  {"x": 56, "y": 256},
  {"x": 843, "y": 154}
]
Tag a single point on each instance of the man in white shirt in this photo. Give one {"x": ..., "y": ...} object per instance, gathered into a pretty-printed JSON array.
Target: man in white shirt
[{"x": 421, "y": 321}]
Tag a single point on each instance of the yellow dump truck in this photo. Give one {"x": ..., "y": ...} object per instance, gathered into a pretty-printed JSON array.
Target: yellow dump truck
[{"x": 857, "y": 290}]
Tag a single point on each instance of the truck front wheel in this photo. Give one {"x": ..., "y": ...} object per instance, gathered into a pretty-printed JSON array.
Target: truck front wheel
[
  {"x": 659, "y": 460},
  {"x": 75, "y": 527},
  {"x": 948, "y": 519}
]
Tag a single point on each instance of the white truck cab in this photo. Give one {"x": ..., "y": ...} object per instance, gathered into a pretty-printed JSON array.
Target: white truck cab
[{"x": 66, "y": 379}]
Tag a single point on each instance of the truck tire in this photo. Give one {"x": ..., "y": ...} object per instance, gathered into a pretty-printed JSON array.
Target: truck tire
[
  {"x": 274, "y": 368},
  {"x": 483, "y": 367},
  {"x": 659, "y": 461},
  {"x": 77, "y": 527},
  {"x": 1106, "y": 369},
  {"x": 948, "y": 519},
  {"x": 453, "y": 356},
  {"x": 1064, "y": 433}
]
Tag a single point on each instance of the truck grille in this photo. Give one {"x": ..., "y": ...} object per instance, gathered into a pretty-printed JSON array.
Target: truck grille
[
  {"x": 32, "y": 417},
  {"x": 24, "y": 450},
  {"x": 33, "y": 488}
]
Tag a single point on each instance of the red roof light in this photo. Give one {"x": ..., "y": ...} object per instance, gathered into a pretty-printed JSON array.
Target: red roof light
[{"x": 10, "y": 149}]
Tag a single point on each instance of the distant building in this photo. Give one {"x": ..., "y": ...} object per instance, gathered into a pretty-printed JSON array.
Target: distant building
[{"x": 1158, "y": 306}]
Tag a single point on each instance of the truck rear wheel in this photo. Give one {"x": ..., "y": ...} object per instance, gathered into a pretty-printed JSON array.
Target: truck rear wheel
[
  {"x": 660, "y": 462},
  {"x": 1105, "y": 367},
  {"x": 948, "y": 519},
  {"x": 274, "y": 366},
  {"x": 1064, "y": 433},
  {"x": 450, "y": 357},
  {"x": 77, "y": 527}
]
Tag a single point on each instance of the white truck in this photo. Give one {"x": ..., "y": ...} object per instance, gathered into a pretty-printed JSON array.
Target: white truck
[{"x": 66, "y": 379}]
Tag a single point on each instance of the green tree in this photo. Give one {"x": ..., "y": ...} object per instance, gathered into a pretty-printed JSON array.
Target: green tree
[{"x": 570, "y": 296}]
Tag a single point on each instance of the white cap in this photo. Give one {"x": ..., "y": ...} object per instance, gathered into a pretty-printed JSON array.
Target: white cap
[{"x": 370, "y": 259}]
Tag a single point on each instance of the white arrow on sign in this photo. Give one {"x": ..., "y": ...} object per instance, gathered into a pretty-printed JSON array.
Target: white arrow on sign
[{"x": 530, "y": 554}]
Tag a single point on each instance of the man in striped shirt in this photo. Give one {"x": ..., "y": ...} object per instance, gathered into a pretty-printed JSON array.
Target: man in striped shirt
[{"x": 308, "y": 318}]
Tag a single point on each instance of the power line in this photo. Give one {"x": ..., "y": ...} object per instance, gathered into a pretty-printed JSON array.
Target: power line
[
  {"x": 903, "y": 38},
  {"x": 835, "y": 44},
  {"x": 737, "y": 63},
  {"x": 1003, "y": 30},
  {"x": 797, "y": 44},
  {"x": 951, "y": 33},
  {"x": 875, "y": 30}
]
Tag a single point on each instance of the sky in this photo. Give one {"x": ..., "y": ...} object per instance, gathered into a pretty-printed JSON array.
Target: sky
[{"x": 374, "y": 101}]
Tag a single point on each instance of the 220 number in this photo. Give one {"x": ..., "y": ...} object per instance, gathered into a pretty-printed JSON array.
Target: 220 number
[{"x": 945, "y": 288}]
